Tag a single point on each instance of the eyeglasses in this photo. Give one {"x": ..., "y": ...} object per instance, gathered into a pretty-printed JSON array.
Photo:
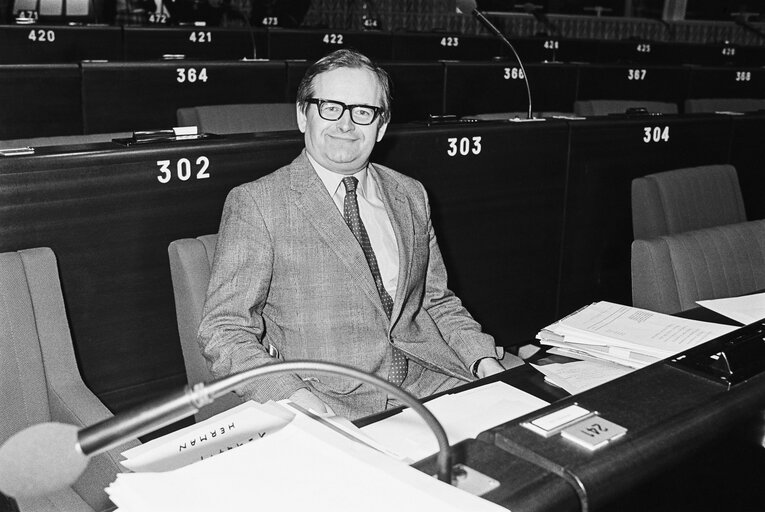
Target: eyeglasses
[{"x": 333, "y": 110}]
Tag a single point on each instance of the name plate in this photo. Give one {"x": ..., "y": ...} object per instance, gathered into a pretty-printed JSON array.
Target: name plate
[{"x": 593, "y": 433}]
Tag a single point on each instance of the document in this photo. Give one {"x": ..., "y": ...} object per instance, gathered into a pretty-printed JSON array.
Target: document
[
  {"x": 746, "y": 309},
  {"x": 230, "y": 429},
  {"x": 632, "y": 336},
  {"x": 463, "y": 415},
  {"x": 303, "y": 466},
  {"x": 578, "y": 376}
]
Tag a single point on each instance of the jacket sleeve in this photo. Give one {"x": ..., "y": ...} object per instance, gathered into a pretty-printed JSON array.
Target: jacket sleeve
[
  {"x": 460, "y": 330},
  {"x": 232, "y": 326}
]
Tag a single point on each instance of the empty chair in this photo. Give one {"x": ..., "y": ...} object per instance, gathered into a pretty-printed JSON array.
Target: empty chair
[
  {"x": 40, "y": 379},
  {"x": 704, "y": 105},
  {"x": 670, "y": 273},
  {"x": 244, "y": 118},
  {"x": 606, "y": 107},
  {"x": 190, "y": 262},
  {"x": 686, "y": 199},
  {"x": 504, "y": 116}
]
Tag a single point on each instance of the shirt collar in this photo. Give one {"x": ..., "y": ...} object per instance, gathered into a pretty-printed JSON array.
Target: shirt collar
[{"x": 333, "y": 180}]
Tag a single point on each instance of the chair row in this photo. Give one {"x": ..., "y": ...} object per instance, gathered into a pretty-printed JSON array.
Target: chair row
[
  {"x": 93, "y": 97},
  {"x": 25, "y": 44}
]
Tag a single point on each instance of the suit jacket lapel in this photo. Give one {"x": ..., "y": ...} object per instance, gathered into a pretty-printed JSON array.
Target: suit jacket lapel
[
  {"x": 400, "y": 215},
  {"x": 311, "y": 197}
]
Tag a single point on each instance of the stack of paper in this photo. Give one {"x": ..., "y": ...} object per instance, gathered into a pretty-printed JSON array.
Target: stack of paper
[
  {"x": 622, "y": 334},
  {"x": 579, "y": 376},
  {"x": 303, "y": 466}
]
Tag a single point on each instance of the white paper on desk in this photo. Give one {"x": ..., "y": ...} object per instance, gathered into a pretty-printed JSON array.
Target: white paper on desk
[
  {"x": 615, "y": 325},
  {"x": 746, "y": 309},
  {"x": 305, "y": 466},
  {"x": 463, "y": 415},
  {"x": 225, "y": 431},
  {"x": 578, "y": 376}
]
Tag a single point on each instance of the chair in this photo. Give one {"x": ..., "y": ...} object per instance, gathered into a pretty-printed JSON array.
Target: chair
[
  {"x": 244, "y": 118},
  {"x": 670, "y": 273},
  {"x": 686, "y": 199},
  {"x": 190, "y": 262},
  {"x": 706, "y": 105},
  {"x": 589, "y": 108},
  {"x": 39, "y": 378}
]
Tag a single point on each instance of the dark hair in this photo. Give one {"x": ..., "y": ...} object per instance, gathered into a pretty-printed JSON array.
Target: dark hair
[{"x": 345, "y": 59}]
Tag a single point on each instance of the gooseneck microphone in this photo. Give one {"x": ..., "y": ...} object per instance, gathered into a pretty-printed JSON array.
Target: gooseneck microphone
[
  {"x": 469, "y": 6},
  {"x": 47, "y": 457}
]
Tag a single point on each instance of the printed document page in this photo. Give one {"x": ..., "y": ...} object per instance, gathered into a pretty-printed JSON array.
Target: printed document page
[
  {"x": 746, "y": 309},
  {"x": 578, "y": 376},
  {"x": 657, "y": 334}
]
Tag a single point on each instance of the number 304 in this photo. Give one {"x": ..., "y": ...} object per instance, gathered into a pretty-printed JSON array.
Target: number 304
[{"x": 183, "y": 169}]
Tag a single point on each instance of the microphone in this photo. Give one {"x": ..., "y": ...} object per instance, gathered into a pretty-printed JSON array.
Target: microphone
[
  {"x": 465, "y": 6},
  {"x": 47, "y": 457}
]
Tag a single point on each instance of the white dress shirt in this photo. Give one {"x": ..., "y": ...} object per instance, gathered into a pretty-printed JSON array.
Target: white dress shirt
[{"x": 373, "y": 215}]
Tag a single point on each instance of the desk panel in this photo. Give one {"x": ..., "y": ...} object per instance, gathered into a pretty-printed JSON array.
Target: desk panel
[
  {"x": 632, "y": 82},
  {"x": 605, "y": 156},
  {"x": 496, "y": 193},
  {"x": 147, "y": 43},
  {"x": 732, "y": 82},
  {"x": 444, "y": 46},
  {"x": 109, "y": 219},
  {"x": 747, "y": 157},
  {"x": 146, "y": 95},
  {"x": 314, "y": 44},
  {"x": 35, "y": 44},
  {"x": 476, "y": 88},
  {"x": 39, "y": 100}
]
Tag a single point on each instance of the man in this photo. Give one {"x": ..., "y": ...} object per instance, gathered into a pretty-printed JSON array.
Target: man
[{"x": 333, "y": 258}]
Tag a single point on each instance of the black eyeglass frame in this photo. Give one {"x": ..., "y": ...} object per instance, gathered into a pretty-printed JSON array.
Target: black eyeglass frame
[{"x": 319, "y": 102}]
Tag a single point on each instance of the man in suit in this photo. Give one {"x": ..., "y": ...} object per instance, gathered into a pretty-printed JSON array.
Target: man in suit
[{"x": 333, "y": 258}]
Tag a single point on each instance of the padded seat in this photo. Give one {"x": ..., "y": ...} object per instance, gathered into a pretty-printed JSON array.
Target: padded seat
[
  {"x": 243, "y": 118},
  {"x": 39, "y": 378},
  {"x": 590, "y": 108},
  {"x": 190, "y": 263},
  {"x": 686, "y": 199},
  {"x": 670, "y": 273}
]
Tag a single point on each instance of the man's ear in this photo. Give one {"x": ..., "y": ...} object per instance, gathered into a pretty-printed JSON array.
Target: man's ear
[
  {"x": 301, "y": 119},
  {"x": 381, "y": 131}
]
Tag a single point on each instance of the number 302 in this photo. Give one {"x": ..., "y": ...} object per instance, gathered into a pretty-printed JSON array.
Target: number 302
[{"x": 183, "y": 169}]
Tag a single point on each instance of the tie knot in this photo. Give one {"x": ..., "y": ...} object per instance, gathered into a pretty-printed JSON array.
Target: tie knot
[{"x": 350, "y": 183}]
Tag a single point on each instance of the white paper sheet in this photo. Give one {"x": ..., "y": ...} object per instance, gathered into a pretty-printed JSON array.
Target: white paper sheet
[
  {"x": 746, "y": 309},
  {"x": 463, "y": 416},
  {"x": 304, "y": 466}
]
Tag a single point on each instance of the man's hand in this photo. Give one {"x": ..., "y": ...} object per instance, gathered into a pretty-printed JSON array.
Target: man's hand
[
  {"x": 488, "y": 366},
  {"x": 307, "y": 400}
]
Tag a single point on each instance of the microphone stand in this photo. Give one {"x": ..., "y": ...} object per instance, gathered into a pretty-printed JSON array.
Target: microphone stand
[
  {"x": 161, "y": 412},
  {"x": 488, "y": 24}
]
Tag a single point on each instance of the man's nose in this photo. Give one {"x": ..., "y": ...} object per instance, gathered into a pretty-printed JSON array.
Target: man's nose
[{"x": 345, "y": 123}]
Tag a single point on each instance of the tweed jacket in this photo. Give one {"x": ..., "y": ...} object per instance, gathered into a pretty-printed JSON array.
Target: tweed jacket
[{"x": 289, "y": 273}]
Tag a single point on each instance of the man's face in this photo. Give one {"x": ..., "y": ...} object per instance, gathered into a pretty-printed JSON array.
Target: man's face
[{"x": 342, "y": 146}]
